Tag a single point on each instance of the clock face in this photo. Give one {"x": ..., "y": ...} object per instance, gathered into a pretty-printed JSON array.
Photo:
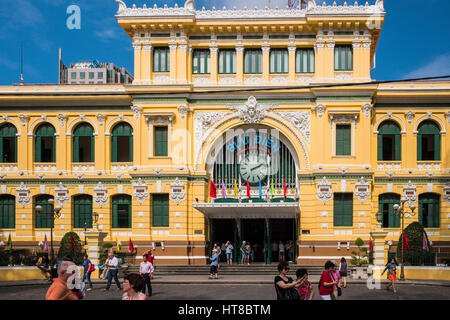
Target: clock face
[{"x": 254, "y": 168}]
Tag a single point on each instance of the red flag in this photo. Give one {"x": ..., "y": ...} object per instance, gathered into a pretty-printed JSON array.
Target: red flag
[
  {"x": 131, "y": 246},
  {"x": 405, "y": 242},
  {"x": 248, "y": 190},
  {"x": 212, "y": 190},
  {"x": 72, "y": 243},
  {"x": 284, "y": 189},
  {"x": 370, "y": 245}
]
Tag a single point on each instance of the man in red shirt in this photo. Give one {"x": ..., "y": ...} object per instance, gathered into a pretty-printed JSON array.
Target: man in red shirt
[{"x": 326, "y": 282}]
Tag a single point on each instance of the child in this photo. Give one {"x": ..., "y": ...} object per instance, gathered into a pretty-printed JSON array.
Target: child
[{"x": 305, "y": 290}]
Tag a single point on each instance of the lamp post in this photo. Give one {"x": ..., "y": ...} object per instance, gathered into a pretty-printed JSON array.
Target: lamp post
[
  {"x": 400, "y": 211},
  {"x": 56, "y": 212},
  {"x": 95, "y": 217}
]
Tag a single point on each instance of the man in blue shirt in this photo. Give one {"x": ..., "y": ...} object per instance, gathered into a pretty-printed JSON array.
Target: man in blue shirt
[
  {"x": 229, "y": 252},
  {"x": 214, "y": 264}
]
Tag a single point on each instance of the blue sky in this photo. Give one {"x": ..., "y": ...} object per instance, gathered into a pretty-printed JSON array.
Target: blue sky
[{"x": 414, "y": 41}]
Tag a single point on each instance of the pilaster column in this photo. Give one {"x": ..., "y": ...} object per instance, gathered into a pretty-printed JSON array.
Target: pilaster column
[
  {"x": 137, "y": 63},
  {"x": 147, "y": 63},
  {"x": 320, "y": 57},
  {"x": 95, "y": 242},
  {"x": 182, "y": 63},
  {"x": 329, "y": 60},
  {"x": 173, "y": 63},
  {"x": 291, "y": 76},
  {"x": 189, "y": 65},
  {"x": 379, "y": 252},
  {"x": 240, "y": 64},
  {"x": 214, "y": 64},
  {"x": 266, "y": 63}
]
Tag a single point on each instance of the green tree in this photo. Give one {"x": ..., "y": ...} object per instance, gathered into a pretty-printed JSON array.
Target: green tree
[
  {"x": 358, "y": 257},
  {"x": 416, "y": 254},
  {"x": 65, "y": 248}
]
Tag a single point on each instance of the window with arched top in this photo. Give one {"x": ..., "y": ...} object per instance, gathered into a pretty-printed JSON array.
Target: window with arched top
[
  {"x": 428, "y": 141},
  {"x": 389, "y": 141},
  {"x": 121, "y": 211},
  {"x": 83, "y": 143},
  {"x": 386, "y": 203},
  {"x": 82, "y": 211},
  {"x": 43, "y": 218},
  {"x": 7, "y": 211},
  {"x": 45, "y": 143},
  {"x": 429, "y": 210},
  {"x": 8, "y": 143},
  {"x": 122, "y": 143}
]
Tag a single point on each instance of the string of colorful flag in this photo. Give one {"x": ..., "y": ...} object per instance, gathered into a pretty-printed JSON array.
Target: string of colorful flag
[{"x": 213, "y": 189}]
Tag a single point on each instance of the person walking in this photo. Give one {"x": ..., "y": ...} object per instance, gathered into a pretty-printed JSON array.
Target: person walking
[
  {"x": 274, "y": 251},
  {"x": 284, "y": 285},
  {"x": 248, "y": 249},
  {"x": 214, "y": 264},
  {"x": 133, "y": 284},
  {"x": 223, "y": 256},
  {"x": 243, "y": 252},
  {"x": 326, "y": 282},
  {"x": 145, "y": 268},
  {"x": 88, "y": 268},
  {"x": 305, "y": 291},
  {"x": 59, "y": 289},
  {"x": 151, "y": 259},
  {"x": 219, "y": 251},
  {"x": 336, "y": 277},
  {"x": 391, "y": 267},
  {"x": 343, "y": 269},
  {"x": 281, "y": 252},
  {"x": 43, "y": 264},
  {"x": 229, "y": 252},
  {"x": 113, "y": 265}
]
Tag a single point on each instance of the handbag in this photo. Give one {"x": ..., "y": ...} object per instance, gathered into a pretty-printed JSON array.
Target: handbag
[
  {"x": 339, "y": 290},
  {"x": 104, "y": 274}
]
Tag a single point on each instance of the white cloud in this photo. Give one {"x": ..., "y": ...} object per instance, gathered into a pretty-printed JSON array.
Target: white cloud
[{"x": 438, "y": 67}]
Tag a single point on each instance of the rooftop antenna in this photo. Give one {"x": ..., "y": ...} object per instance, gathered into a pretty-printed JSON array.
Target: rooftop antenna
[{"x": 21, "y": 63}]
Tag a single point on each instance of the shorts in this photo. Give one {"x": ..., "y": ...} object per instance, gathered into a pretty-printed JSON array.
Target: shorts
[
  {"x": 342, "y": 274},
  {"x": 229, "y": 256},
  {"x": 392, "y": 276},
  {"x": 244, "y": 256},
  {"x": 213, "y": 270}
]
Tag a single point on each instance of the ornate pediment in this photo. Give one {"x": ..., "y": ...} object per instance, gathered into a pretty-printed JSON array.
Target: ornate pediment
[
  {"x": 100, "y": 195},
  {"x": 23, "y": 195},
  {"x": 62, "y": 194},
  {"x": 140, "y": 191},
  {"x": 410, "y": 193},
  {"x": 177, "y": 192},
  {"x": 362, "y": 191},
  {"x": 324, "y": 192},
  {"x": 252, "y": 111}
]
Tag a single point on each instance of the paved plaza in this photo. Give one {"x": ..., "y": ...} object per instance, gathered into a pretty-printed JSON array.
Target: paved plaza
[{"x": 227, "y": 291}]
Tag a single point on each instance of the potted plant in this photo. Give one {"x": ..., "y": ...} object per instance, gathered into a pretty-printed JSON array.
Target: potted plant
[{"x": 359, "y": 260}]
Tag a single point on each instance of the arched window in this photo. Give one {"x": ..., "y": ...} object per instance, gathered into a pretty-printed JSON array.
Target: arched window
[
  {"x": 45, "y": 143},
  {"x": 429, "y": 210},
  {"x": 7, "y": 212},
  {"x": 122, "y": 143},
  {"x": 389, "y": 142},
  {"x": 8, "y": 143},
  {"x": 82, "y": 211},
  {"x": 121, "y": 211},
  {"x": 386, "y": 206},
  {"x": 428, "y": 141},
  {"x": 83, "y": 143},
  {"x": 43, "y": 218}
]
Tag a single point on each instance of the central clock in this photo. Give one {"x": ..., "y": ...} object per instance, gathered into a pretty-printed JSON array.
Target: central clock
[{"x": 254, "y": 168}]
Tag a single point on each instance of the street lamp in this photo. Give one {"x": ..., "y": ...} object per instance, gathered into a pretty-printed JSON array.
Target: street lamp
[
  {"x": 379, "y": 217},
  {"x": 400, "y": 211},
  {"x": 95, "y": 216},
  {"x": 56, "y": 214}
]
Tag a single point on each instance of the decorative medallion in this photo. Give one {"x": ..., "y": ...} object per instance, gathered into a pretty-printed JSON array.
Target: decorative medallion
[
  {"x": 324, "y": 192},
  {"x": 183, "y": 110},
  {"x": 410, "y": 193},
  {"x": 62, "y": 119},
  {"x": 362, "y": 190},
  {"x": 23, "y": 195},
  {"x": 62, "y": 194},
  {"x": 140, "y": 191},
  {"x": 410, "y": 116},
  {"x": 24, "y": 119},
  {"x": 177, "y": 193},
  {"x": 320, "y": 109},
  {"x": 137, "y": 111},
  {"x": 101, "y": 118},
  {"x": 252, "y": 111},
  {"x": 100, "y": 195},
  {"x": 367, "y": 109}
]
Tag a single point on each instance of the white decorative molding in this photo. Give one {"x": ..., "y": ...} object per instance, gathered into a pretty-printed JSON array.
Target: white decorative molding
[
  {"x": 62, "y": 194},
  {"x": 177, "y": 192},
  {"x": 429, "y": 115},
  {"x": 100, "y": 195},
  {"x": 447, "y": 115},
  {"x": 62, "y": 119},
  {"x": 279, "y": 80},
  {"x": 140, "y": 191},
  {"x": 159, "y": 119},
  {"x": 227, "y": 80},
  {"x": 252, "y": 111},
  {"x": 320, "y": 109},
  {"x": 137, "y": 111},
  {"x": 23, "y": 195},
  {"x": 410, "y": 193},
  {"x": 24, "y": 119},
  {"x": 390, "y": 116},
  {"x": 183, "y": 110},
  {"x": 301, "y": 121},
  {"x": 367, "y": 109},
  {"x": 81, "y": 118},
  {"x": 343, "y": 76},
  {"x": 101, "y": 119},
  {"x": 161, "y": 79},
  {"x": 203, "y": 121},
  {"x": 362, "y": 190},
  {"x": 446, "y": 195},
  {"x": 252, "y": 80},
  {"x": 324, "y": 192},
  {"x": 304, "y": 79},
  {"x": 202, "y": 80},
  {"x": 410, "y": 116}
]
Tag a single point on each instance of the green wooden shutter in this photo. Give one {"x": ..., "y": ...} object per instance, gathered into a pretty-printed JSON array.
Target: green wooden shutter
[
  {"x": 348, "y": 210},
  {"x": 82, "y": 211},
  {"x": 398, "y": 147},
  {"x": 161, "y": 141},
  {"x": 7, "y": 212},
  {"x": 437, "y": 147},
  {"x": 160, "y": 210},
  {"x": 343, "y": 140},
  {"x": 44, "y": 219}
]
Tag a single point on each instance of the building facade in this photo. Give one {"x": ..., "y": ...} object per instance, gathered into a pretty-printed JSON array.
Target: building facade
[
  {"x": 274, "y": 107},
  {"x": 94, "y": 72}
]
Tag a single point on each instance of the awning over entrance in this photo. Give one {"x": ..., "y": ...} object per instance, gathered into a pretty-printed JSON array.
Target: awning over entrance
[{"x": 270, "y": 210}]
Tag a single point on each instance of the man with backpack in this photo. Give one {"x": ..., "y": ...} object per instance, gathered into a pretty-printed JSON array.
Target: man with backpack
[{"x": 88, "y": 268}]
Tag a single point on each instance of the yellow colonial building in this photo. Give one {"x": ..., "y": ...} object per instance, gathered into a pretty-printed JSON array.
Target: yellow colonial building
[{"x": 274, "y": 107}]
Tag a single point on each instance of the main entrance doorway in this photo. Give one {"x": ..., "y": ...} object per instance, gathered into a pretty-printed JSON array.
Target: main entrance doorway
[{"x": 264, "y": 236}]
